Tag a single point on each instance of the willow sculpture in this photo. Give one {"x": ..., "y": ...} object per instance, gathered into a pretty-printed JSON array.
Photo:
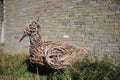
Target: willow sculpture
[{"x": 48, "y": 53}]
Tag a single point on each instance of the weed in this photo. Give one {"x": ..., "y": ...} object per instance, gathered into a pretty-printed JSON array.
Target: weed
[{"x": 14, "y": 67}]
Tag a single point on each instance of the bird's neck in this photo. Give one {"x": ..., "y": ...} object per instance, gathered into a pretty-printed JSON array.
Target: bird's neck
[{"x": 35, "y": 39}]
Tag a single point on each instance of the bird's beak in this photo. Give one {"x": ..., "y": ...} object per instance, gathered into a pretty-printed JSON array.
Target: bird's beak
[{"x": 22, "y": 38}]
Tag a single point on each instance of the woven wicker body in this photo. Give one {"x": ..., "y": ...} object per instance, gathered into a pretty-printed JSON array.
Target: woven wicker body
[{"x": 57, "y": 56}]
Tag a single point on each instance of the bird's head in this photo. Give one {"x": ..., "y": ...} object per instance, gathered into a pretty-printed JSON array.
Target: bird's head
[{"x": 31, "y": 30}]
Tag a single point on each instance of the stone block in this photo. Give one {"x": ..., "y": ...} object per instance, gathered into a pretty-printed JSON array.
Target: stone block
[
  {"x": 109, "y": 20},
  {"x": 94, "y": 3},
  {"x": 110, "y": 13}
]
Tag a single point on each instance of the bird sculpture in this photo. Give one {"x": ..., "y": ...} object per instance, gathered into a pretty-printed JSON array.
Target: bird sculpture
[{"x": 49, "y": 53}]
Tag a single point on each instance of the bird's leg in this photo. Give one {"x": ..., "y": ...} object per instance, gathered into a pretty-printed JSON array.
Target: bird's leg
[{"x": 36, "y": 76}]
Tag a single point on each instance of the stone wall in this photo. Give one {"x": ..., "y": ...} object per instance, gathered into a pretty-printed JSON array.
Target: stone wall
[{"x": 86, "y": 23}]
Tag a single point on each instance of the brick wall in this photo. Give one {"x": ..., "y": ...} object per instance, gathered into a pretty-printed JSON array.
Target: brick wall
[{"x": 86, "y": 23}]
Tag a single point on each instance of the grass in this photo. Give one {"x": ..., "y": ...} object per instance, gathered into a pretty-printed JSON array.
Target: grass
[{"x": 14, "y": 67}]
